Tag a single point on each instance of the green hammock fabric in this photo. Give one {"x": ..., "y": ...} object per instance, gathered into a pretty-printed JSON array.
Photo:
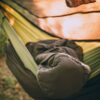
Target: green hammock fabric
[
  {"x": 92, "y": 56},
  {"x": 91, "y": 49}
]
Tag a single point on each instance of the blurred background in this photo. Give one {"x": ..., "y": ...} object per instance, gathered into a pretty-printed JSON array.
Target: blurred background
[{"x": 10, "y": 89}]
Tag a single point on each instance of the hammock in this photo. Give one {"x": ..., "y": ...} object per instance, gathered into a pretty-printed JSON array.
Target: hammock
[
  {"x": 21, "y": 24},
  {"x": 89, "y": 47},
  {"x": 92, "y": 56}
]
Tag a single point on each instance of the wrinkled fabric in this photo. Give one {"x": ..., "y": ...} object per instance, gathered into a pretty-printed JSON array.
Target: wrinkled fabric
[
  {"x": 56, "y": 18},
  {"x": 73, "y": 27},
  {"x": 91, "y": 91},
  {"x": 55, "y": 46},
  {"x": 46, "y": 8},
  {"x": 61, "y": 73},
  {"x": 25, "y": 77}
]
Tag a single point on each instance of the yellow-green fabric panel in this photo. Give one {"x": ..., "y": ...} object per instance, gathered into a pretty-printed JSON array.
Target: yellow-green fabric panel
[{"x": 92, "y": 56}]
